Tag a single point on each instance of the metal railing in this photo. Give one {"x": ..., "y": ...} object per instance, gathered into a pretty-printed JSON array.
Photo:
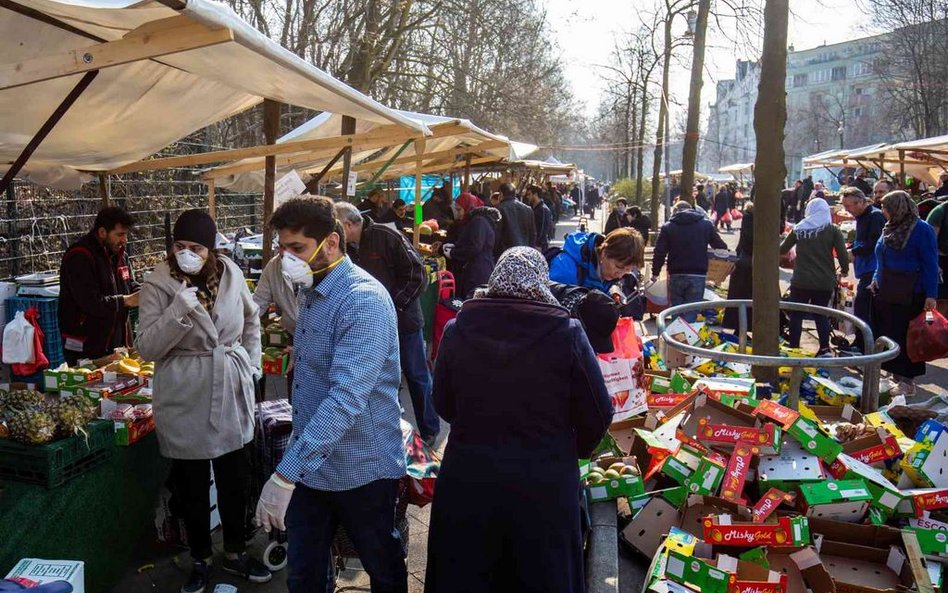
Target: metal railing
[{"x": 881, "y": 350}]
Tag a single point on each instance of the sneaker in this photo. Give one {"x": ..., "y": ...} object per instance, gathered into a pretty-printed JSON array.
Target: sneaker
[
  {"x": 825, "y": 353},
  {"x": 248, "y": 568},
  {"x": 198, "y": 579}
]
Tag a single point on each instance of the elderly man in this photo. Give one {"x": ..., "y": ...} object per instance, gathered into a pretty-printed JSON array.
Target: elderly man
[
  {"x": 869, "y": 223},
  {"x": 375, "y": 205},
  {"x": 879, "y": 190}
]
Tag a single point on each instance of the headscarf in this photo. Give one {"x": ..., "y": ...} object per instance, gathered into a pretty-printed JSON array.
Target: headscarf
[
  {"x": 817, "y": 218},
  {"x": 468, "y": 201},
  {"x": 520, "y": 273},
  {"x": 903, "y": 216}
]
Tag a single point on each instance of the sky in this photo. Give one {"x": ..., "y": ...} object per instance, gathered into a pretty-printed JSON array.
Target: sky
[{"x": 585, "y": 32}]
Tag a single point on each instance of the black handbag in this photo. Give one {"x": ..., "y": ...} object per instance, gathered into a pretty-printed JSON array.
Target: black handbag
[{"x": 897, "y": 288}]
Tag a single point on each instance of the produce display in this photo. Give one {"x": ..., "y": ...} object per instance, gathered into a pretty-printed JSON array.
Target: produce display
[{"x": 27, "y": 416}]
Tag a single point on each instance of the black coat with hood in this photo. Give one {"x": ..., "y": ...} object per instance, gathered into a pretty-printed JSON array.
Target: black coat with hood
[
  {"x": 473, "y": 253},
  {"x": 93, "y": 318},
  {"x": 684, "y": 240},
  {"x": 522, "y": 389},
  {"x": 517, "y": 226}
]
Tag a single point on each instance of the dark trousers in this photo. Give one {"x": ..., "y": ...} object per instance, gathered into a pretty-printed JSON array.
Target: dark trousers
[
  {"x": 191, "y": 479},
  {"x": 414, "y": 362},
  {"x": 367, "y": 514},
  {"x": 862, "y": 308},
  {"x": 893, "y": 320},
  {"x": 812, "y": 297}
]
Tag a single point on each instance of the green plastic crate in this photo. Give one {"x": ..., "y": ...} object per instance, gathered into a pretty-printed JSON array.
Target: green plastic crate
[{"x": 54, "y": 464}]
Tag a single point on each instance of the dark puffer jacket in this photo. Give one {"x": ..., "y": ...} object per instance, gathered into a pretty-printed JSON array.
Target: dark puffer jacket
[
  {"x": 517, "y": 226},
  {"x": 473, "y": 254},
  {"x": 684, "y": 240}
]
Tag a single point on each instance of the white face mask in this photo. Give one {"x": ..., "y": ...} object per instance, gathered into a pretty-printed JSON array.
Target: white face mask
[
  {"x": 297, "y": 271},
  {"x": 189, "y": 262}
]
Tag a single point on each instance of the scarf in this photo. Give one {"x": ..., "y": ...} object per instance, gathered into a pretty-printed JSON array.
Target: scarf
[
  {"x": 520, "y": 273},
  {"x": 903, "y": 216},
  {"x": 817, "y": 218},
  {"x": 207, "y": 290},
  {"x": 469, "y": 202}
]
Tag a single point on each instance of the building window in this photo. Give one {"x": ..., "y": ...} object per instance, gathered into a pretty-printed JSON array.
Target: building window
[
  {"x": 839, "y": 73},
  {"x": 858, "y": 112},
  {"x": 799, "y": 80},
  {"x": 858, "y": 91}
]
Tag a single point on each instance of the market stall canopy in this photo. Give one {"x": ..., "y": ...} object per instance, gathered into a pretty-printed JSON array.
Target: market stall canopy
[
  {"x": 924, "y": 159},
  {"x": 678, "y": 172},
  {"x": 544, "y": 167},
  {"x": 163, "y": 73},
  {"x": 450, "y": 138},
  {"x": 836, "y": 157},
  {"x": 738, "y": 169}
]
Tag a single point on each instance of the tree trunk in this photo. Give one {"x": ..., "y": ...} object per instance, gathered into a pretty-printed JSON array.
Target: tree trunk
[
  {"x": 640, "y": 150},
  {"x": 770, "y": 116},
  {"x": 690, "y": 151},
  {"x": 660, "y": 134}
]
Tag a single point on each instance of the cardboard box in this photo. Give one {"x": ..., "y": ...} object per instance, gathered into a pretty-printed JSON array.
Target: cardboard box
[
  {"x": 874, "y": 449},
  {"x": 814, "y": 440},
  {"x": 623, "y": 431},
  {"x": 109, "y": 386},
  {"x": 885, "y": 496},
  {"x": 722, "y": 530},
  {"x": 785, "y": 471},
  {"x": 627, "y": 485},
  {"x": 861, "y": 569},
  {"x": 832, "y": 414},
  {"x": 129, "y": 433},
  {"x": 32, "y": 572},
  {"x": 54, "y": 380},
  {"x": 706, "y": 479},
  {"x": 767, "y": 437},
  {"x": 697, "y": 573},
  {"x": 649, "y": 527},
  {"x": 842, "y": 500},
  {"x": 931, "y": 541},
  {"x": 782, "y": 415},
  {"x": 750, "y": 577},
  {"x": 697, "y": 508},
  {"x": 670, "y": 382},
  {"x": 735, "y": 386},
  {"x": 928, "y": 499},
  {"x": 736, "y": 473},
  {"x": 769, "y": 502},
  {"x": 276, "y": 366}
]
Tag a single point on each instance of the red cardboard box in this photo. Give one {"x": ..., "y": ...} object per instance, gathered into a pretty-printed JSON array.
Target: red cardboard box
[
  {"x": 731, "y": 435},
  {"x": 769, "y": 502},
  {"x": 875, "y": 448},
  {"x": 736, "y": 473},
  {"x": 782, "y": 415},
  {"x": 720, "y": 530}
]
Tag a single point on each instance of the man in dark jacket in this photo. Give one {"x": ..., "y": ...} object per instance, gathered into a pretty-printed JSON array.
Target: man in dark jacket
[
  {"x": 640, "y": 222},
  {"x": 517, "y": 226},
  {"x": 869, "y": 223},
  {"x": 374, "y": 205},
  {"x": 438, "y": 207},
  {"x": 619, "y": 217},
  {"x": 684, "y": 240},
  {"x": 386, "y": 254},
  {"x": 96, "y": 289},
  {"x": 542, "y": 217}
]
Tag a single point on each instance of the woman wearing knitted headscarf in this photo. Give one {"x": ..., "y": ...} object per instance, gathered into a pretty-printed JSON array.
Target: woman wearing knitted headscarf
[
  {"x": 521, "y": 387},
  {"x": 472, "y": 254},
  {"x": 814, "y": 273},
  {"x": 905, "y": 281}
]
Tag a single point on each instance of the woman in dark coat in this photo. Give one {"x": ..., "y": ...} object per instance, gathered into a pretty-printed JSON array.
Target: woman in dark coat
[
  {"x": 907, "y": 258},
  {"x": 741, "y": 284},
  {"x": 521, "y": 387},
  {"x": 472, "y": 256},
  {"x": 722, "y": 202}
]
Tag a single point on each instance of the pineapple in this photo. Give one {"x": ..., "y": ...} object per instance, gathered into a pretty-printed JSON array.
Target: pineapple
[
  {"x": 22, "y": 399},
  {"x": 31, "y": 427},
  {"x": 70, "y": 414}
]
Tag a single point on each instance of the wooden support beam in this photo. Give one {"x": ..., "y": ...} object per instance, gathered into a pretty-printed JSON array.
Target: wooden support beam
[
  {"x": 466, "y": 150},
  {"x": 312, "y": 186},
  {"x": 271, "y": 131},
  {"x": 46, "y": 128},
  {"x": 212, "y": 199},
  {"x": 419, "y": 216},
  {"x": 348, "y": 127},
  {"x": 312, "y": 149},
  {"x": 446, "y": 167},
  {"x": 381, "y": 136},
  {"x": 901, "y": 168},
  {"x": 105, "y": 190},
  {"x": 467, "y": 172},
  {"x": 160, "y": 38}
]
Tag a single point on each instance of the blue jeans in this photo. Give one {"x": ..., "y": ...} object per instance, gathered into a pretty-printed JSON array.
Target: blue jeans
[
  {"x": 367, "y": 514},
  {"x": 686, "y": 288},
  {"x": 415, "y": 366}
]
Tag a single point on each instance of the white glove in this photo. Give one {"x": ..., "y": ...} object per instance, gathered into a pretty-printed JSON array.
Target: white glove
[
  {"x": 185, "y": 301},
  {"x": 447, "y": 248},
  {"x": 274, "y": 499}
]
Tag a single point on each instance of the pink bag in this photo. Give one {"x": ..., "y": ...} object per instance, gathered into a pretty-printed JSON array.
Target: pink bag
[
  {"x": 736, "y": 214},
  {"x": 927, "y": 337}
]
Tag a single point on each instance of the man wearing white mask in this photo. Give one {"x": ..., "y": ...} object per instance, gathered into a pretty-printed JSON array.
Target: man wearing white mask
[{"x": 345, "y": 458}]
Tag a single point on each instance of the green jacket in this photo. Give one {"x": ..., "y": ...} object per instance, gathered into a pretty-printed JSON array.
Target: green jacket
[{"x": 814, "y": 268}]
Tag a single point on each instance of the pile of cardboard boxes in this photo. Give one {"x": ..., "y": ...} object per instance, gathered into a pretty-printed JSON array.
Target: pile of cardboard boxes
[{"x": 738, "y": 493}]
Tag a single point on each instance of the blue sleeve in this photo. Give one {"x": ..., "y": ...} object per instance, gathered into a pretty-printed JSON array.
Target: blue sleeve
[
  {"x": 876, "y": 276},
  {"x": 927, "y": 247},
  {"x": 875, "y": 228},
  {"x": 661, "y": 251},
  {"x": 563, "y": 269}
]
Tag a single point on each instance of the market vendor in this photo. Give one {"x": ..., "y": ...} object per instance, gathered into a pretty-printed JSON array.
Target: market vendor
[
  {"x": 201, "y": 327},
  {"x": 96, "y": 289},
  {"x": 274, "y": 288}
]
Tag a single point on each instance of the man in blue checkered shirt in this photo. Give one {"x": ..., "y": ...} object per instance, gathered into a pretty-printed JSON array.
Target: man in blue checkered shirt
[{"x": 346, "y": 455}]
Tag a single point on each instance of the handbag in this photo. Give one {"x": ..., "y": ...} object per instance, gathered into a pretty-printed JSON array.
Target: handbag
[{"x": 897, "y": 288}]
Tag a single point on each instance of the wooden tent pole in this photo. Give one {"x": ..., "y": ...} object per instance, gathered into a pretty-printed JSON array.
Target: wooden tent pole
[
  {"x": 212, "y": 199},
  {"x": 271, "y": 131},
  {"x": 419, "y": 173},
  {"x": 348, "y": 127},
  {"x": 105, "y": 190}
]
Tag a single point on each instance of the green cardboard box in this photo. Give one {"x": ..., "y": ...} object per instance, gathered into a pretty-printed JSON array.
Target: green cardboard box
[
  {"x": 689, "y": 570},
  {"x": 814, "y": 440},
  {"x": 841, "y": 500},
  {"x": 707, "y": 478},
  {"x": 677, "y": 470}
]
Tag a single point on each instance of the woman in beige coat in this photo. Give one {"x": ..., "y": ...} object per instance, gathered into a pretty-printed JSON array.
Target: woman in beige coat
[{"x": 199, "y": 323}]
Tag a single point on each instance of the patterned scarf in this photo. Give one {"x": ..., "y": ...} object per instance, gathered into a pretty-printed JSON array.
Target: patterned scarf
[
  {"x": 520, "y": 273},
  {"x": 207, "y": 294},
  {"x": 903, "y": 216}
]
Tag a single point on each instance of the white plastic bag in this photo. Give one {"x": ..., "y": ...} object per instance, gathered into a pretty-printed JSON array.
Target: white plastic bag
[{"x": 18, "y": 341}]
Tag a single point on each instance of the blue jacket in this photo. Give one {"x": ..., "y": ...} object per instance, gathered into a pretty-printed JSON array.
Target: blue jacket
[
  {"x": 920, "y": 255},
  {"x": 579, "y": 258},
  {"x": 868, "y": 230},
  {"x": 684, "y": 240}
]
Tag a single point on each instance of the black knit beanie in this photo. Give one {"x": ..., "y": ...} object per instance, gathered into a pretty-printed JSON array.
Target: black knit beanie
[{"x": 196, "y": 226}]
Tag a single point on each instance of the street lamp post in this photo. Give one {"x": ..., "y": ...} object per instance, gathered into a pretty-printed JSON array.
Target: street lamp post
[{"x": 840, "y": 130}]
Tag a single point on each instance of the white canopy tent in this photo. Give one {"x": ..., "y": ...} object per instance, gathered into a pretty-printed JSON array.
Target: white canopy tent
[
  {"x": 450, "y": 138},
  {"x": 142, "y": 75},
  {"x": 738, "y": 169},
  {"x": 924, "y": 159}
]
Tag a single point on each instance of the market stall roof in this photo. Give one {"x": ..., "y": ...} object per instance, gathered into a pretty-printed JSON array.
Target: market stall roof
[
  {"x": 738, "y": 168},
  {"x": 166, "y": 68},
  {"x": 678, "y": 172},
  {"x": 450, "y": 138},
  {"x": 545, "y": 167},
  {"x": 835, "y": 157},
  {"x": 923, "y": 159}
]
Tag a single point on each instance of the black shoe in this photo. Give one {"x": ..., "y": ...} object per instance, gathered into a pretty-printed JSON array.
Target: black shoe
[
  {"x": 248, "y": 568},
  {"x": 198, "y": 579}
]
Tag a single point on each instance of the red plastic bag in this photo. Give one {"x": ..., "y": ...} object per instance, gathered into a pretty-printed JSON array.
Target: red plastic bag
[
  {"x": 927, "y": 338},
  {"x": 736, "y": 214},
  {"x": 40, "y": 361},
  {"x": 726, "y": 218},
  {"x": 423, "y": 464},
  {"x": 446, "y": 309}
]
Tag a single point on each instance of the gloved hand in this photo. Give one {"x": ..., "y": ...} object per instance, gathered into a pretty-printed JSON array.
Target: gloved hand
[
  {"x": 185, "y": 301},
  {"x": 447, "y": 248},
  {"x": 274, "y": 499}
]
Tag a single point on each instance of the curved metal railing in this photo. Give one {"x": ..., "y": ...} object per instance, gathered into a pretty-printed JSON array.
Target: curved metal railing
[{"x": 879, "y": 351}]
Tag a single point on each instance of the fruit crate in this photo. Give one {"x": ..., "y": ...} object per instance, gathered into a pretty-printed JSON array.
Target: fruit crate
[
  {"x": 53, "y": 464},
  {"x": 49, "y": 322}
]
